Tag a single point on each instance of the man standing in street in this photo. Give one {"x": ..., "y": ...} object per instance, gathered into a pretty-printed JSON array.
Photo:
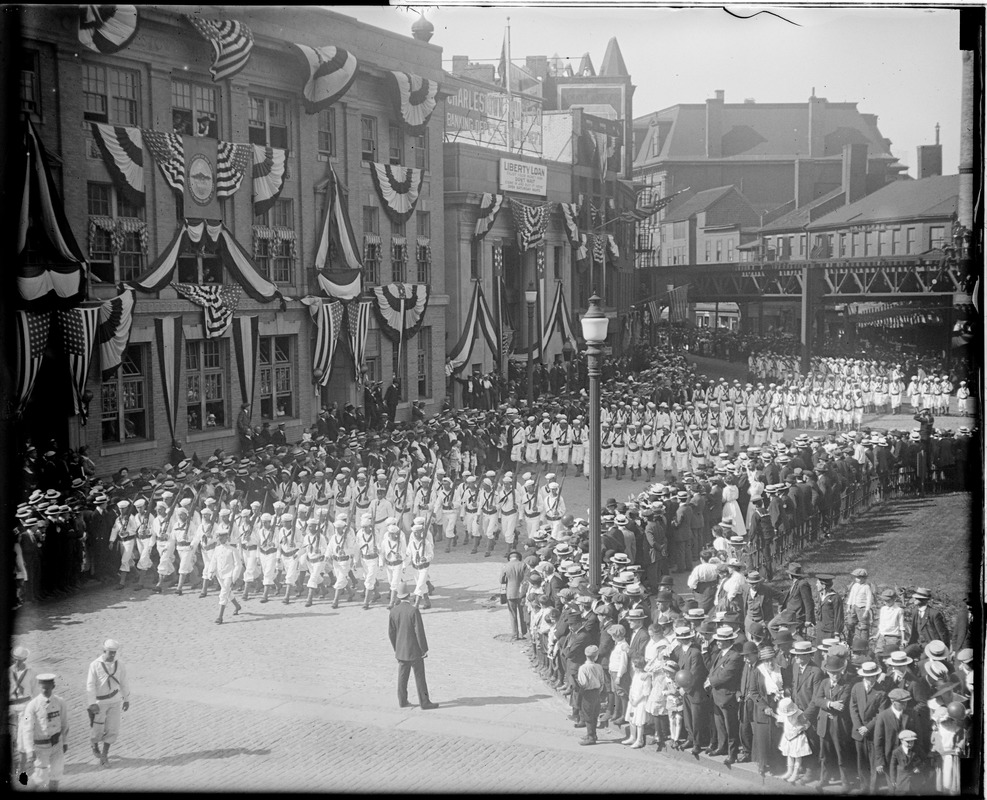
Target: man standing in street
[
  {"x": 23, "y": 685},
  {"x": 391, "y": 399},
  {"x": 243, "y": 429},
  {"x": 44, "y": 733},
  {"x": 406, "y": 630},
  {"x": 107, "y": 694},
  {"x": 514, "y": 573}
]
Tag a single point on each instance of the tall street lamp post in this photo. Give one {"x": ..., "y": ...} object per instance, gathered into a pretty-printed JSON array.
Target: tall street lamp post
[
  {"x": 594, "y": 324},
  {"x": 530, "y": 297},
  {"x": 567, "y": 352}
]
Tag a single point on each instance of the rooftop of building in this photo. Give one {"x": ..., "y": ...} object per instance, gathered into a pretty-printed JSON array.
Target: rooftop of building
[
  {"x": 756, "y": 130},
  {"x": 798, "y": 218},
  {"x": 690, "y": 205},
  {"x": 933, "y": 197}
]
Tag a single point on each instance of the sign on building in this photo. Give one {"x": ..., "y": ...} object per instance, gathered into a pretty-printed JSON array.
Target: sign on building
[
  {"x": 519, "y": 176},
  {"x": 479, "y": 116}
]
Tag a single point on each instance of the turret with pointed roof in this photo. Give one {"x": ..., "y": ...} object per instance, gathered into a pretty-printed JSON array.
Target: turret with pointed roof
[
  {"x": 586, "y": 66},
  {"x": 613, "y": 61}
]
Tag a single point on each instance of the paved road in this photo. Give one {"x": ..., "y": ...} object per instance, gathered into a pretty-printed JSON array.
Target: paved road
[{"x": 289, "y": 698}]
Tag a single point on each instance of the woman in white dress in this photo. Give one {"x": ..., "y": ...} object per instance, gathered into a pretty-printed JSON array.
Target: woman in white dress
[{"x": 731, "y": 508}]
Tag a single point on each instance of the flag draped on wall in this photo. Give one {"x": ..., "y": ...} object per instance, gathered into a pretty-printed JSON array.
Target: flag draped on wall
[
  {"x": 653, "y": 313},
  {"x": 230, "y": 252},
  {"x": 612, "y": 250},
  {"x": 332, "y": 71},
  {"x": 558, "y": 319},
  {"x": 107, "y": 29},
  {"x": 78, "y": 329},
  {"x": 231, "y": 43},
  {"x": 168, "y": 151},
  {"x": 116, "y": 318},
  {"x": 246, "y": 331},
  {"x": 599, "y": 247},
  {"x": 570, "y": 215},
  {"x": 414, "y": 99},
  {"x": 328, "y": 318},
  {"x": 232, "y": 161},
  {"x": 270, "y": 169},
  {"x": 678, "y": 303},
  {"x": 358, "y": 324},
  {"x": 530, "y": 224},
  {"x": 478, "y": 318},
  {"x": 401, "y": 309},
  {"x": 398, "y": 188},
  {"x": 32, "y": 329},
  {"x": 219, "y": 304},
  {"x": 490, "y": 205},
  {"x": 123, "y": 151},
  {"x": 168, "y": 335},
  {"x": 342, "y": 285},
  {"x": 42, "y": 216},
  {"x": 336, "y": 220}
]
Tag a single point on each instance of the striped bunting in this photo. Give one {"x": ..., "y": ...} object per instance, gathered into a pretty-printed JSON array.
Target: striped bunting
[
  {"x": 478, "y": 317},
  {"x": 168, "y": 335},
  {"x": 246, "y": 332},
  {"x": 169, "y": 153},
  {"x": 116, "y": 318},
  {"x": 78, "y": 330},
  {"x": 123, "y": 151},
  {"x": 32, "y": 329},
  {"x": 328, "y": 317},
  {"x": 270, "y": 169},
  {"x": 336, "y": 219},
  {"x": 219, "y": 304},
  {"x": 232, "y": 161},
  {"x": 415, "y": 99},
  {"x": 332, "y": 71},
  {"x": 107, "y": 29},
  {"x": 570, "y": 213},
  {"x": 558, "y": 317},
  {"x": 342, "y": 285},
  {"x": 399, "y": 189},
  {"x": 530, "y": 223},
  {"x": 231, "y": 43},
  {"x": 490, "y": 205}
]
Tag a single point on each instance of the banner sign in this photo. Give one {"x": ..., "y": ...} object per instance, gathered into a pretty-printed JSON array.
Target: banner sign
[
  {"x": 518, "y": 176},
  {"x": 201, "y": 162},
  {"x": 479, "y": 116}
]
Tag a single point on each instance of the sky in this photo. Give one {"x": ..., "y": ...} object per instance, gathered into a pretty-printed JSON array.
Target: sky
[{"x": 901, "y": 64}]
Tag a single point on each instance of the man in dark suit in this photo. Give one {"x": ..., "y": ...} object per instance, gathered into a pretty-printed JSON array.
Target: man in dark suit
[
  {"x": 868, "y": 698},
  {"x": 724, "y": 683},
  {"x": 407, "y": 632},
  {"x": 829, "y": 610},
  {"x": 927, "y": 623},
  {"x": 696, "y": 700},
  {"x": 583, "y": 631},
  {"x": 797, "y": 600},
  {"x": 832, "y": 699},
  {"x": 513, "y": 575},
  {"x": 887, "y": 726},
  {"x": 757, "y": 603}
]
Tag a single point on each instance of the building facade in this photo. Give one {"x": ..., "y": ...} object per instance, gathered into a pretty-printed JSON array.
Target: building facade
[{"x": 161, "y": 81}]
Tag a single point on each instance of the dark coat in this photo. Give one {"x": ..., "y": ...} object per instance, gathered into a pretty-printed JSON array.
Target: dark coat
[
  {"x": 804, "y": 686},
  {"x": 932, "y": 626},
  {"x": 902, "y": 775},
  {"x": 799, "y": 600},
  {"x": 761, "y": 609},
  {"x": 865, "y": 706},
  {"x": 512, "y": 576},
  {"x": 830, "y": 616},
  {"x": 724, "y": 676},
  {"x": 886, "y": 730},
  {"x": 830, "y": 721},
  {"x": 407, "y": 632},
  {"x": 690, "y": 658}
]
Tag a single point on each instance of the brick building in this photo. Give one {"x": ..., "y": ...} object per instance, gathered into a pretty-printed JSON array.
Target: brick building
[{"x": 161, "y": 81}]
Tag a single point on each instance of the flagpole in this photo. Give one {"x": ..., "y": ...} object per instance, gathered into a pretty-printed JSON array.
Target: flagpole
[
  {"x": 400, "y": 342},
  {"x": 507, "y": 84}
]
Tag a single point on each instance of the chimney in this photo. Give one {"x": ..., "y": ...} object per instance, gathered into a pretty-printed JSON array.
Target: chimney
[
  {"x": 537, "y": 65},
  {"x": 714, "y": 125},
  {"x": 817, "y": 126},
  {"x": 459, "y": 64},
  {"x": 804, "y": 185},
  {"x": 854, "y": 172},
  {"x": 929, "y": 162}
]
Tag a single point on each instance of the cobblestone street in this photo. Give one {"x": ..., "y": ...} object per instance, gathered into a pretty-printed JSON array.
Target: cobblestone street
[{"x": 291, "y": 698}]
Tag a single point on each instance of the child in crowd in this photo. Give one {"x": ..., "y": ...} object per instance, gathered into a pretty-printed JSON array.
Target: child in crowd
[
  {"x": 620, "y": 675},
  {"x": 905, "y": 770},
  {"x": 890, "y": 624},
  {"x": 794, "y": 744},
  {"x": 637, "y": 704},
  {"x": 590, "y": 679},
  {"x": 859, "y": 606}
]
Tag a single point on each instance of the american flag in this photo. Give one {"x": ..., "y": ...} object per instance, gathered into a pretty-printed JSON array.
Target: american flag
[
  {"x": 231, "y": 42},
  {"x": 32, "y": 338},
  {"x": 232, "y": 161},
  {"x": 116, "y": 318},
  {"x": 329, "y": 317},
  {"x": 219, "y": 304},
  {"x": 678, "y": 303},
  {"x": 358, "y": 322},
  {"x": 78, "y": 329},
  {"x": 653, "y": 311},
  {"x": 169, "y": 153}
]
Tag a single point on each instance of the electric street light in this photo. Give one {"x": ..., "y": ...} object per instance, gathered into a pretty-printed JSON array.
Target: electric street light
[
  {"x": 594, "y": 324},
  {"x": 567, "y": 353},
  {"x": 530, "y": 297}
]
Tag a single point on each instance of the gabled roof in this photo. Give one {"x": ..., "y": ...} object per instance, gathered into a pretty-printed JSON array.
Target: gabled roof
[
  {"x": 761, "y": 130},
  {"x": 613, "y": 61},
  {"x": 798, "y": 218},
  {"x": 936, "y": 197},
  {"x": 692, "y": 205}
]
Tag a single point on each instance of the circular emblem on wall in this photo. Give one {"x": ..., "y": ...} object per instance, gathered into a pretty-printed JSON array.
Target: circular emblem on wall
[{"x": 202, "y": 179}]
